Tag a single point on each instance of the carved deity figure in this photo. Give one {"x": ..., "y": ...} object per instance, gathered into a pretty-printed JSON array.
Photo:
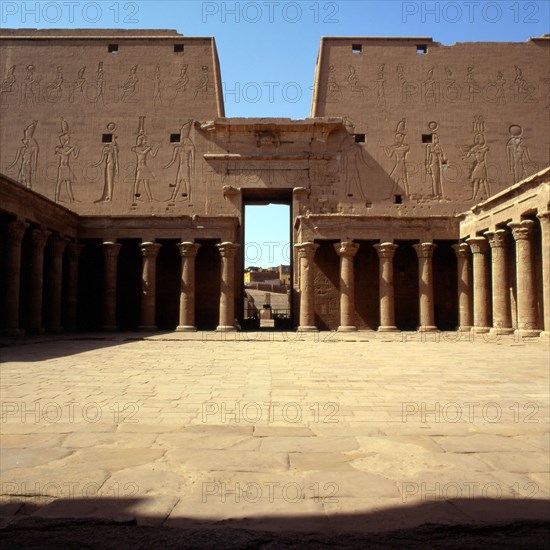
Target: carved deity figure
[
  {"x": 399, "y": 151},
  {"x": 143, "y": 174},
  {"x": 27, "y": 155},
  {"x": 435, "y": 159},
  {"x": 100, "y": 85},
  {"x": 157, "y": 87},
  {"x": 353, "y": 159},
  {"x": 29, "y": 86},
  {"x": 430, "y": 88},
  {"x": 129, "y": 87},
  {"x": 65, "y": 174},
  {"x": 184, "y": 153},
  {"x": 473, "y": 86},
  {"x": 109, "y": 158},
  {"x": 334, "y": 94},
  {"x": 78, "y": 84},
  {"x": 181, "y": 82},
  {"x": 517, "y": 153},
  {"x": 55, "y": 88},
  {"x": 353, "y": 80},
  {"x": 478, "y": 174},
  {"x": 202, "y": 86},
  {"x": 500, "y": 96},
  {"x": 380, "y": 90},
  {"x": 9, "y": 81}
]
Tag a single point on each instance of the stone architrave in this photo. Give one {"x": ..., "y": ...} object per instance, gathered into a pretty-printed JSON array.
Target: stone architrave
[
  {"x": 525, "y": 280},
  {"x": 16, "y": 232},
  {"x": 110, "y": 252},
  {"x": 227, "y": 295},
  {"x": 545, "y": 243},
  {"x": 425, "y": 251},
  {"x": 306, "y": 252},
  {"x": 55, "y": 282},
  {"x": 462, "y": 251},
  {"x": 502, "y": 316},
  {"x": 188, "y": 253},
  {"x": 71, "y": 287},
  {"x": 347, "y": 251},
  {"x": 39, "y": 237},
  {"x": 479, "y": 248},
  {"x": 149, "y": 253},
  {"x": 386, "y": 252}
]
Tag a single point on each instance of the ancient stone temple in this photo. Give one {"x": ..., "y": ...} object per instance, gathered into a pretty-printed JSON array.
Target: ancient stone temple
[{"x": 419, "y": 188}]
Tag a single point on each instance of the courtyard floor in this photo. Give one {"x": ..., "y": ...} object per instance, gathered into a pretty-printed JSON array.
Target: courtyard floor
[{"x": 307, "y": 439}]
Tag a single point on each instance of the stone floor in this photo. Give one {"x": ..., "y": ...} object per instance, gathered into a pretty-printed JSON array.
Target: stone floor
[{"x": 336, "y": 435}]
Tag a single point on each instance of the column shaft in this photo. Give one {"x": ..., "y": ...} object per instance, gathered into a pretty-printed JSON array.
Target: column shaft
[
  {"x": 479, "y": 249},
  {"x": 71, "y": 286},
  {"x": 386, "y": 252},
  {"x": 425, "y": 252},
  {"x": 306, "y": 252},
  {"x": 149, "y": 253},
  {"x": 525, "y": 278},
  {"x": 55, "y": 283},
  {"x": 188, "y": 253},
  {"x": 110, "y": 255},
  {"x": 462, "y": 251},
  {"x": 39, "y": 238},
  {"x": 16, "y": 232},
  {"x": 347, "y": 251},
  {"x": 227, "y": 294},
  {"x": 545, "y": 243}
]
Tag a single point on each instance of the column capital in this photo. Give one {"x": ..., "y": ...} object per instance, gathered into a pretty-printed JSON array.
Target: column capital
[
  {"x": 498, "y": 238},
  {"x": 39, "y": 237},
  {"x": 74, "y": 250},
  {"x": 424, "y": 250},
  {"x": 544, "y": 218},
  {"x": 188, "y": 249},
  {"x": 306, "y": 250},
  {"x": 478, "y": 245},
  {"x": 16, "y": 230},
  {"x": 227, "y": 249},
  {"x": 462, "y": 250},
  {"x": 347, "y": 249},
  {"x": 522, "y": 230},
  {"x": 58, "y": 245},
  {"x": 149, "y": 249},
  {"x": 385, "y": 250},
  {"x": 110, "y": 249}
]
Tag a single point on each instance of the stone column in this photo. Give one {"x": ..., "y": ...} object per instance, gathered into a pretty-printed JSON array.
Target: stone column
[
  {"x": 227, "y": 296},
  {"x": 16, "y": 232},
  {"x": 55, "y": 283},
  {"x": 386, "y": 252},
  {"x": 425, "y": 251},
  {"x": 545, "y": 242},
  {"x": 479, "y": 248},
  {"x": 347, "y": 251},
  {"x": 462, "y": 251},
  {"x": 39, "y": 238},
  {"x": 306, "y": 251},
  {"x": 110, "y": 254},
  {"x": 188, "y": 253},
  {"x": 502, "y": 317},
  {"x": 149, "y": 253},
  {"x": 525, "y": 278},
  {"x": 71, "y": 286}
]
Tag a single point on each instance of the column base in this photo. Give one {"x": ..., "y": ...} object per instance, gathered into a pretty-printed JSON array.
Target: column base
[
  {"x": 307, "y": 329},
  {"x": 481, "y": 330},
  {"x": 226, "y": 328},
  {"x": 387, "y": 328},
  {"x": 186, "y": 328},
  {"x": 13, "y": 332},
  {"x": 347, "y": 328},
  {"x": 147, "y": 328},
  {"x": 108, "y": 328},
  {"x": 465, "y": 328},
  {"x": 501, "y": 331},
  {"x": 428, "y": 328},
  {"x": 545, "y": 334},
  {"x": 35, "y": 331},
  {"x": 528, "y": 333}
]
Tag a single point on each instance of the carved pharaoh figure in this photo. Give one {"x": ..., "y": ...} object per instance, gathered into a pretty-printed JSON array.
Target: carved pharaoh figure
[
  {"x": 143, "y": 174},
  {"x": 184, "y": 153},
  {"x": 517, "y": 153},
  {"x": 157, "y": 87},
  {"x": 478, "y": 173},
  {"x": 27, "y": 155},
  {"x": 399, "y": 151},
  {"x": 78, "y": 84},
  {"x": 181, "y": 82},
  {"x": 100, "y": 85},
  {"x": 65, "y": 174}
]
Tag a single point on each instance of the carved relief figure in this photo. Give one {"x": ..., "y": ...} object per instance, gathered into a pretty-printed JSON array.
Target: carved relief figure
[
  {"x": 8, "y": 83},
  {"x": 523, "y": 90},
  {"x": 143, "y": 174},
  {"x": 408, "y": 89},
  {"x": 100, "y": 85},
  {"x": 109, "y": 157},
  {"x": 353, "y": 80},
  {"x": 181, "y": 82},
  {"x": 78, "y": 84},
  {"x": 353, "y": 159},
  {"x": 202, "y": 86},
  {"x": 184, "y": 153},
  {"x": 517, "y": 153},
  {"x": 27, "y": 155},
  {"x": 29, "y": 86},
  {"x": 478, "y": 174},
  {"x": 157, "y": 87},
  {"x": 398, "y": 151},
  {"x": 500, "y": 95},
  {"x": 334, "y": 95},
  {"x": 55, "y": 88},
  {"x": 65, "y": 174},
  {"x": 473, "y": 86},
  {"x": 129, "y": 87},
  {"x": 431, "y": 95},
  {"x": 435, "y": 160},
  {"x": 452, "y": 90},
  {"x": 381, "y": 90}
]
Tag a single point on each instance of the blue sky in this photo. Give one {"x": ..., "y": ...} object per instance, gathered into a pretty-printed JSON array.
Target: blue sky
[{"x": 273, "y": 44}]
